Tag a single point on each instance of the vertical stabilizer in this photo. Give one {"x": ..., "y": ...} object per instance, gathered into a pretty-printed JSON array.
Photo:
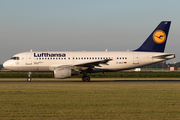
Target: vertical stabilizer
[{"x": 156, "y": 42}]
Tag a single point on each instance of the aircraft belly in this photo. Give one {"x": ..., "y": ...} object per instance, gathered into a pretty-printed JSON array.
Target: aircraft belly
[{"x": 34, "y": 68}]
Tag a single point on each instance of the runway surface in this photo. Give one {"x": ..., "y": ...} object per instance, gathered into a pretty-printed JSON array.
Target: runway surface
[{"x": 91, "y": 82}]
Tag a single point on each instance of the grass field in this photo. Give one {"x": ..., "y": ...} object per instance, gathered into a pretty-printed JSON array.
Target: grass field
[
  {"x": 121, "y": 74},
  {"x": 90, "y": 101}
]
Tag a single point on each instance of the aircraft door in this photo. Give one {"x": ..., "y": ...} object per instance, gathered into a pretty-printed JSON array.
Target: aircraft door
[
  {"x": 28, "y": 59},
  {"x": 135, "y": 59}
]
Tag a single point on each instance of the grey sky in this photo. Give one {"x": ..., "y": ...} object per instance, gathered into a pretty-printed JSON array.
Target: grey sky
[{"x": 92, "y": 25}]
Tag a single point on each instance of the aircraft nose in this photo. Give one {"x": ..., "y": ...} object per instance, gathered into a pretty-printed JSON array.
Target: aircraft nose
[{"x": 6, "y": 65}]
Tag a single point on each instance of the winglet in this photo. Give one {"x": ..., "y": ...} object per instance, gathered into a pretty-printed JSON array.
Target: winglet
[{"x": 156, "y": 42}]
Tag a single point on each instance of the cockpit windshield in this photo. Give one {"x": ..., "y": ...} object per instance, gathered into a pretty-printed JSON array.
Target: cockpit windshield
[{"x": 14, "y": 58}]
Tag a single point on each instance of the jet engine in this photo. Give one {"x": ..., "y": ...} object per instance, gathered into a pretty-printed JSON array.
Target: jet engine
[{"x": 62, "y": 72}]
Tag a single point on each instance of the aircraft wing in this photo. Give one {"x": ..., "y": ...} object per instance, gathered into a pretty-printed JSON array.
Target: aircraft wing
[
  {"x": 92, "y": 64},
  {"x": 86, "y": 65}
]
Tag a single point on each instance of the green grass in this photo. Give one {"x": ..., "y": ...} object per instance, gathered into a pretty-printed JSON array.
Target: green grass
[
  {"x": 90, "y": 101},
  {"x": 97, "y": 75}
]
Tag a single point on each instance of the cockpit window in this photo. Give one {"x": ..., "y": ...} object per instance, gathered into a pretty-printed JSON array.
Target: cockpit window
[{"x": 15, "y": 58}]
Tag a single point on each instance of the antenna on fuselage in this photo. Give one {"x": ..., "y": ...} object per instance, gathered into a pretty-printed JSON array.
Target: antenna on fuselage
[
  {"x": 106, "y": 50},
  {"x": 31, "y": 50}
]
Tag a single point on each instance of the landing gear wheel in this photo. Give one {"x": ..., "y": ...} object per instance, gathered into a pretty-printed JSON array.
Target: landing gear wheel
[
  {"x": 29, "y": 79},
  {"x": 86, "y": 79}
]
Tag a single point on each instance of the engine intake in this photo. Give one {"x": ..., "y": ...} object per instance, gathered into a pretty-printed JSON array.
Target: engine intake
[{"x": 61, "y": 72}]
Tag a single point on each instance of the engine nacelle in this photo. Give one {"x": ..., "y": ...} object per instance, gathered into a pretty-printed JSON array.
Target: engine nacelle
[{"x": 61, "y": 72}]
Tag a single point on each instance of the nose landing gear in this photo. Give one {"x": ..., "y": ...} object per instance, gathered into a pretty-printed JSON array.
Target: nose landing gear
[{"x": 29, "y": 77}]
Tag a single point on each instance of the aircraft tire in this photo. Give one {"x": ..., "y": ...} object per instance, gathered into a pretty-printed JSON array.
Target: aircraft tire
[
  {"x": 29, "y": 79},
  {"x": 86, "y": 79}
]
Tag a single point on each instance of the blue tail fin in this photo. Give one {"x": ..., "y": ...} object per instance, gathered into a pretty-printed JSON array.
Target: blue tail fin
[{"x": 156, "y": 42}]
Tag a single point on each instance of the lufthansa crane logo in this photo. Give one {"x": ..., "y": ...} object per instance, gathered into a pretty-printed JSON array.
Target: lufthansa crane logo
[{"x": 159, "y": 36}]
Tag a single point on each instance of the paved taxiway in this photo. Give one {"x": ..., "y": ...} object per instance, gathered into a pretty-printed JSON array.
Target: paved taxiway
[{"x": 91, "y": 82}]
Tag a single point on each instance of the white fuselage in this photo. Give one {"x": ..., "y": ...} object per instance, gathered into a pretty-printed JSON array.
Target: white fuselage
[{"x": 47, "y": 61}]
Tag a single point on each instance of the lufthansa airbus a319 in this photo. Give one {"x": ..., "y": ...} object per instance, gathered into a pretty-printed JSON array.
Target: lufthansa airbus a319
[{"x": 65, "y": 64}]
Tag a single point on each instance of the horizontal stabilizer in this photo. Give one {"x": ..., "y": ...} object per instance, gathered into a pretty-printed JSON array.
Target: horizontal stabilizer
[{"x": 164, "y": 56}]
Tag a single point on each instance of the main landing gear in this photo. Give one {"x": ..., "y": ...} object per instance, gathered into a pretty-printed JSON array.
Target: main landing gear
[
  {"x": 85, "y": 78},
  {"x": 29, "y": 77}
]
